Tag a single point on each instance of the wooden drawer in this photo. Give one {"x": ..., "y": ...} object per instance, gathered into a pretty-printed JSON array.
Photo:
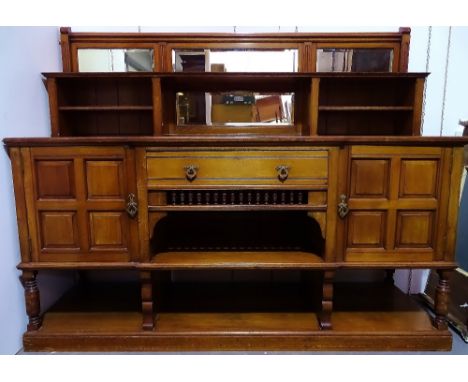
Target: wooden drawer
[{"x": 168, "y": 169}]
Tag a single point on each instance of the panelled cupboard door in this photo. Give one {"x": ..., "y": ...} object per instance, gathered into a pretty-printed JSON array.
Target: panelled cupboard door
[
  {"x": 398, "y": 201},
  {"x": 76, "y": 201}
]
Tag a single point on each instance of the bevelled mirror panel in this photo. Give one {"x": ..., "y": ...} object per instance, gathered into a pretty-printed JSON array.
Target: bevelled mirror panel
[
  {"x": 354, "y": 60},
  {"x": 234, "y": 60},
  {"x": 237, "y": 108},
  {"x": 115, "y": 60}
]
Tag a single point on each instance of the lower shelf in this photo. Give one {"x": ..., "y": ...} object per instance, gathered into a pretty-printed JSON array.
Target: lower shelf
[
  {"x": 237, "y": 260},
  {"x": 366, "y": 317}
]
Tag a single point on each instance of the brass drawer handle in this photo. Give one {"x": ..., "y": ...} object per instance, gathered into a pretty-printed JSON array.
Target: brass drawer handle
[
  {"x": 191, "y": 172},
  {"x": 283, "y": 172},
  {"x": 343, "y": 208},
  {"x": 132, "y": 205}
]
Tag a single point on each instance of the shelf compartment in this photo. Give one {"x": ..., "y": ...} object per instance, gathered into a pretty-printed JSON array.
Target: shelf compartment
[
  {"x": 381, "y": 318},
  {"x": 101, "y": 91},
  {"x": 361, "y": 91},
  {"x": 365, "y": 108},
  {"x": 205, "y": 234},
  {"x": 106, "y": 108},
  {"x": 106, "y": 122},
  {"x": 365, "y": 122},
  {"x": 236, "y": 260}
]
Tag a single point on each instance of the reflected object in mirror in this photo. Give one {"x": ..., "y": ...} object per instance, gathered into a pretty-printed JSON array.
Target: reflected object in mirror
[
  {"x": 239, "y": 60},
  {"x": 354, "y": 60},
  {"x": 236, "y": 108},
  {"x": 115, "y": 60}
]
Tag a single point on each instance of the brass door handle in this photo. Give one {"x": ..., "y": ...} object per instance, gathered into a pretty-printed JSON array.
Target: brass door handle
[
  {"x": 343, "y": 208},
  {"x": 132, "y": 205},
  {"x": 283, "y": 172},
  {"x": 191, "y": 172}
]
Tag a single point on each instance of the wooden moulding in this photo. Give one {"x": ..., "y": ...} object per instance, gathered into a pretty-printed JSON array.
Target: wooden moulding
[
  {"x": 310, "y": 264},
  {"x": 242, "y": 141}
]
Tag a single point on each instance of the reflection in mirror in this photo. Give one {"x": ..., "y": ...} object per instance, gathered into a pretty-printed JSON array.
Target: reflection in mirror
[
  {"x": 238, "y": 108},
  {"x": 115, "y": 60},
  {"x": 240, "y": 60},
  {"x": 354, "y": 60}
]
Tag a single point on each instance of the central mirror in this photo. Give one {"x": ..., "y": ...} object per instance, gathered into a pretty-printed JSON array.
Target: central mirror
[
  {"x": 235, "y": 108},
  {"x": 234, "y": 60}
]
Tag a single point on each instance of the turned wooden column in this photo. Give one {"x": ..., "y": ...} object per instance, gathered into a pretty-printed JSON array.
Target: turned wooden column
[
  {"x": 441, "y": 300},
  {"x": 327, "y": 300},
  {"x": 32, "y": 299},
  {"x": 147, "y": 300}
]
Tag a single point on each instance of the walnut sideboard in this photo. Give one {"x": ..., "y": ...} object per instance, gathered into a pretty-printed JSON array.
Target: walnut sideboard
[{"x": 329, "y": 175}]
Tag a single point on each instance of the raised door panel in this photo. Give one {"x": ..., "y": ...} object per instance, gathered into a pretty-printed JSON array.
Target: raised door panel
[
  {"x": 369, "y": 178},
  {"x": 79, "y": 201},
  {"x": 108, "y": 230},
  {"x": 414, "y": 229},
  {"x": 397, "y": 209},
  {"x": 55, "y": 179},
  {"x": 105, "y": 179},
  {"x": 366, "y": 229},
  {"x": 59, "y": 230},
  {"x": 418, "y": 178}
]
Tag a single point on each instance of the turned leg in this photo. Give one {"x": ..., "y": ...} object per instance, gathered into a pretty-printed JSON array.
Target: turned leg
[
  {"x": 441, "y": 300},
  {"x": 327, "y": 300},
  {"x": 32, "y": 298},
  {"x": 147, "y": 300},
  {"x": 389, "y": 274}
]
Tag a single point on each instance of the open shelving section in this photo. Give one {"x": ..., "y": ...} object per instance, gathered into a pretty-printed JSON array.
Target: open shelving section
[
  {"x": 236, "y": 316},
  {"x": 148, "y": 104}
]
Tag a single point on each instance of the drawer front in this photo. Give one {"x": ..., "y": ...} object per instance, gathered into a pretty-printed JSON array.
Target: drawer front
[{"x": 251, "y": 168}]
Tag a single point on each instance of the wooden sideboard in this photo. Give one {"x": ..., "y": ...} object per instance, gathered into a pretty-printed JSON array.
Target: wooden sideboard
[{"x": 124, "y": 187}]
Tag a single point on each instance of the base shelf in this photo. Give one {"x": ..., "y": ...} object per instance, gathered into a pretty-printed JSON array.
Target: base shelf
[{"x": 366, "y": 317}]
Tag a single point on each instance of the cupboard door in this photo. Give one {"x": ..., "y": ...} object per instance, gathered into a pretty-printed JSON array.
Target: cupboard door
[
  {"x": 397, "y": 199},
  {"x": 77, "y": 203}
]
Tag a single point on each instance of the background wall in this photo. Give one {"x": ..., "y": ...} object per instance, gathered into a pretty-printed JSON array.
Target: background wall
[
  {"x": 28, "y": 51},
  {"x": 24, "y": 111}
]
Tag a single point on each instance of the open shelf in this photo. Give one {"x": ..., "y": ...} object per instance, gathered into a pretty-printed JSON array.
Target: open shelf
[
  {"x": 369, "y": 106},
  {"x": 365, "y": 108},
  {"x": 277, "y": 104},
  {"x": 237, "y": 260},
  {"x": 105, "y": 108},
  {"x": 365, "y": 122},
  {"x": 236, "y": 240},
  {"x": 237, "y": 316},
  {"x": 106, "y": 122}
]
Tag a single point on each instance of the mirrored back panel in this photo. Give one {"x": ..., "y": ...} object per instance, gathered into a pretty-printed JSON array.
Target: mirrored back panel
[
  {"x": 115, "y": 60},
  {"x": 354, "y": 60},
  {"x": 235, "y": 108},
  {"x": 234, "y": 60}
]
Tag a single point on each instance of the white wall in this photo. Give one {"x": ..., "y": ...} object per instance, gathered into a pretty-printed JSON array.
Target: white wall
[
  {"x": 455, "y": 81},
  {"x": 26, "y": 52}
]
